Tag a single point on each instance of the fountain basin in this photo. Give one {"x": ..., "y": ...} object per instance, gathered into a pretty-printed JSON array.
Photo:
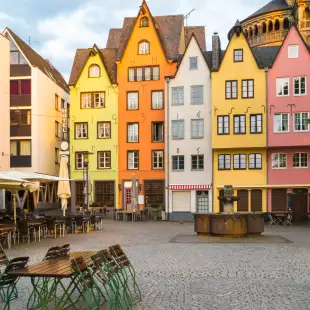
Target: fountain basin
[{"x": 230, "y": 225}]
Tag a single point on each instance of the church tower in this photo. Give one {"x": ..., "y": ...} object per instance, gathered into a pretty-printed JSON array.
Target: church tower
[{"x": 303, "y": 13}]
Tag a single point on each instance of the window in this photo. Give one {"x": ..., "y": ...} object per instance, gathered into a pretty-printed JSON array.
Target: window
[
  {"x": 81, "y": 130},
  {"x": 231, "y": 89},
  {"x": 25, "y": 87},
  {"x": 133, "y": 133},
  {"x": 283, "y": 87},
  {"x": 301, "y": 121},
  {"x": 133, "y": 160},
  {"x": 104, "y": 160},
  {"x": 300, "y": 88},
  {"x": 177, "y": 95},
  {"x": 256, "y": 123},
  {"x": 133, "y": 100},
  {"x": 99, "y": 100},
  {"x": 193, "y": 63},
  {"x": 238, "y": 55},
  {"x": 177, "y": 129},
  {"x": 278, "y": 161},
  {"x": 104, "y": 130},
  {"x": 131, "y": 74},
  {"x": 139, "y": 74},
  {"x": 239, "y": 162},
  {"x": 197, "y": 162},
  {"x": 239, "y": 124},
  {"x": 20, "y": 117},
  {"x": 94, "y": 71},
  {"x": 157, "y": 100},
  {"x": 281, "y": 122},
  {"x": 156, "y": 74},
  {"x": 300, "y": 160},
  {"x": 247, "y": 88},
  {"x": 144, "y": 47},
  {"x": 158, "y": 159},
  {"x": 223, "y": 125},
  {"x": 79, "y": 160},
  {"x": 197, "y": 128},
  {"x": 17, "y": 58},
  {"x": 13, "y": 148},
  {"x": 148, "y": 73},
  {"x": 224, "y": 162},
  {"x": 63, "y": 104},
  {"x": 86, "y": 100},
  {"x": 144, "y": 22},
  {"x": 56, "y": 102},
  {"x": 293, "y": 51},
  {"x": 20, "y": 147},
  {"x": 178, "y": 163},
  {"x": 14, "y": 88},
  {"x": 57, "y": 129},
  {"x": 57, "y": 156},
  {"x": 255, "y": 161},
  {"x": 157, "y": 132},
  {"x": 196, "y": 94}
]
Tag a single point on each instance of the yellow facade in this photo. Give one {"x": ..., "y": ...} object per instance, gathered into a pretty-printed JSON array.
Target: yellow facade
[
  {"x": 246, "y": 143},
  {"x": 92, "y": 116}
]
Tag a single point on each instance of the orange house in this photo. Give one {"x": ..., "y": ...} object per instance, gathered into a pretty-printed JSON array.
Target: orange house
[{"x": 148, "y": 49}]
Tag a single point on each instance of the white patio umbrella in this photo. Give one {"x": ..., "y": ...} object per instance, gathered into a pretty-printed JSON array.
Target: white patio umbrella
[
  {"x": 134, "y": 192},
  {"x": 64, "y": 191}
]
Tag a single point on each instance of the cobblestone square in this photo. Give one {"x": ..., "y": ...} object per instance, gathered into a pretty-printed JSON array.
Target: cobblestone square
[{"x": 189, "y": 275}]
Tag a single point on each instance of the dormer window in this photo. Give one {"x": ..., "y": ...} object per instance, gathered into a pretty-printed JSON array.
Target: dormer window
[
  {"x": 144, "y": 47},
  {"x": 94, "y": 71},
  {"x": 144, "y": 22}
]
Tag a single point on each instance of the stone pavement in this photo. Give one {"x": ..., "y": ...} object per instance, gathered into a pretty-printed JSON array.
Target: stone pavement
[{"x": 191, "y": 276}]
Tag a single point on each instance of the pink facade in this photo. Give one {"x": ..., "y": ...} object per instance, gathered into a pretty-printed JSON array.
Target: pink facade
[{"x": 288, "y": 128}]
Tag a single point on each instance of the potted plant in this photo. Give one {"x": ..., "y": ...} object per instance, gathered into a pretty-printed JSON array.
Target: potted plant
[{"x": 163, "y": 213}]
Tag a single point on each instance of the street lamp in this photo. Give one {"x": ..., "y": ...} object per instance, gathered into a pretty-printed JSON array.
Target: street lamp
[{"x": 86, "y": 176}]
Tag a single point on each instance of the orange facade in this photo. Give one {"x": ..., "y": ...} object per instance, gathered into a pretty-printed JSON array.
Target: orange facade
[{"x": 142, "y": 68}]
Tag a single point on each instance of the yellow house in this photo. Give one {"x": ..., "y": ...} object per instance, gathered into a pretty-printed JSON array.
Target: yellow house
[
  {"x": 94, "y": 126},
  {"x": 239, "y": 124}
]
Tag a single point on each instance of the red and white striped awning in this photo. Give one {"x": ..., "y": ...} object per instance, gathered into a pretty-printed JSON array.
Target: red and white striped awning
[{"x": 189, "y": 187}]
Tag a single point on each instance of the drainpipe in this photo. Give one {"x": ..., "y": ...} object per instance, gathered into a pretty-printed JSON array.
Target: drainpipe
[
  {"x": 267, "y": 130},
  {"x": 167, "y": 149}
]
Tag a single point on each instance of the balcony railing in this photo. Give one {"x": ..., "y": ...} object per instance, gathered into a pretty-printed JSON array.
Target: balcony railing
[
  {"x": 20, "y": 101},
  {"x": 268, "y": 37},
  {"x": 20, "y": 131},
  {"x": 20, "y": 70},
  {"x": 20, "y": 161}
]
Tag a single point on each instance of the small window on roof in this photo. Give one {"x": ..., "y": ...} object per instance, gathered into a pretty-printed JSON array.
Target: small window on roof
[
  {"x": 94, "y": 71},
  {"x": 144, "y": 22}
]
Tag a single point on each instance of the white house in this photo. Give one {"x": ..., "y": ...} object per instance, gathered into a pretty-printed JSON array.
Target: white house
[
  {"x": 37, "y": 94},
  {"x": 188, "y": 137}
]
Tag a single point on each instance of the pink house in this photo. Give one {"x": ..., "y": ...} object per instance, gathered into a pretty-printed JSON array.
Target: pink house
[{"x": 289, "y": 127}]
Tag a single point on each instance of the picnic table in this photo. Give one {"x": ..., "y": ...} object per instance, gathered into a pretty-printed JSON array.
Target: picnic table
[{"x": 56, "y": 275}]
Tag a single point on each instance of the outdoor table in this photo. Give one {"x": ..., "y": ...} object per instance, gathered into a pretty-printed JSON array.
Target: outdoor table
[
  {"x": 59, "y": 270},
  {"x": 8, "y": 229},
  {"x": 35, "y": 224},
  {"x": 62, "y": 224},
  {"x": 126, "y": 212},
  {"x": 281, "y": 215}
]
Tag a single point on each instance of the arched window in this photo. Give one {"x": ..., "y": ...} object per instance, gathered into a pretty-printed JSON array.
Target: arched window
[
  {"x": 144, "y": 47},
  {"x": 246, "y": 34},
  {"x": 264, "y": 27},
  {"x": 307, "y": 13},
  {"x": 250, "y": 32},
  {"x": 94, "y": 71},
  {"x": 144, "y": 22},
  {"x": 255, "y": 30},
  {"x": 270, "y": 26},
  {"x": 277, "y": 25},
  {"x": 286, "y": 23}
]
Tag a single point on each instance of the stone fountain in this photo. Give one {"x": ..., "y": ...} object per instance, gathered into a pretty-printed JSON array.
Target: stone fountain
[{"x": 228, "y": 223}]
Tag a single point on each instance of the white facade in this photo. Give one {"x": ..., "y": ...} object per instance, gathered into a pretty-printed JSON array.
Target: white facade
[{"x": 189, "y": 185}]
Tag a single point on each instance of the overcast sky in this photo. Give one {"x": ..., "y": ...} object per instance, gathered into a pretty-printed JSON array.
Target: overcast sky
[{"x": 58, "y": 27}]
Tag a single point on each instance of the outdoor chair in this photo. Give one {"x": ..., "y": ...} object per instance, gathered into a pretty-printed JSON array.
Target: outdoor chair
[
  {"x": 70, "y": 225},
  {"x": 53, "y": 227},
  {"x": 3, "y": 258},
  {"x": 52, "y": 253},
  {"x": 288, "y": 220},
  {"x": 81, "y": 224},
  {"x": 8, "y": 290},
  {"x": 86, "y": 285},
  {"x": 124, "y": 263},
  {"x": 25, "y": 231},
  {"x": 64, "y": 250},
  {"x": 272, "y": 220}
]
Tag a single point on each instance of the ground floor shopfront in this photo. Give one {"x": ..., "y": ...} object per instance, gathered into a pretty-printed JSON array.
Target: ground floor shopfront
[{"x": 186, "y": 200}]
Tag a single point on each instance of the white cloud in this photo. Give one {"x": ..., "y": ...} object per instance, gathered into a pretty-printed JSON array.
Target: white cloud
[{"x": 6, "y": 17}]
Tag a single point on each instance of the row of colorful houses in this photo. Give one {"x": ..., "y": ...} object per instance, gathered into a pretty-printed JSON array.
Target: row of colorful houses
[{"x": 186, "y": 121}]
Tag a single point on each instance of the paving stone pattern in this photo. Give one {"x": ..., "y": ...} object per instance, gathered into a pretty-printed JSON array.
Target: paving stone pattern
[{"x": 199, "y": 276}]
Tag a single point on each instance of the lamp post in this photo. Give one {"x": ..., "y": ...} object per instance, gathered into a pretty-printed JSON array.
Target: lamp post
[{"x": 86, "y": 176}]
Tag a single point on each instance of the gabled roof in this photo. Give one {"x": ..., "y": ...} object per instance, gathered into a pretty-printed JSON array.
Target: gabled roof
[
  {"x": 272, "y": 6},
  {"x": 37, "y": 61},
  {"x": 200, "y": 34},
  {"x": 107, "y": 56},
  {"x": 114, "y": 37}
]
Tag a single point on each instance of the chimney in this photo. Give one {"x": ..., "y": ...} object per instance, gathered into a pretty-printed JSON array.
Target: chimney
[{"x": 216, "y": 51}]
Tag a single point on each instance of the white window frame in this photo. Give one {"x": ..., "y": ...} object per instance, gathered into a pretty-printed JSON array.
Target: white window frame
[
  {"x": 274, "y": 123},
  {"x": 256, "y": 161},
  {"x": 239, "y": 162},
  {"x": 139, "y": 74},
  {"x": 133, "y": 132},
  {"x": 133, "y": 160},
  {"x": 196, "y": 126},
  {"x": 197, "y": 100},
  {"x": 77, "y": 166},
  {"x": 158, "y": 160},
  {"x": 157, "y": 100},
  {"x": 238, "y": 128},
  {"x": 144, "y": 47},
  {"x": 280, "y": 88},
  {"x": 104, "y": 160},
  {"x": 99, "y": 100},
  {"x": 86, "y": 100},
  {"x": 254, "y": 122},
  {"x": 294, "y": 119},
  {"x": 248, "y": 89},
  {"x": 238, "y": 55},
  {"x": 179, "y": 125},
  {"x": 94, "y": 71},
  {"x": 131, "y": 74},
  {"x": 230, "y": 86},
  {"x": 104, "y": 130},
  {"x": 81, "y": 131},
  {"x": 299, "y": 82},
  {"x": 224, "y": 159},
  {"x": 133, "y": 103},
  {"x": 278, "y": 158},
  {"x": 195, "y": 59},
  {"x": 222, "y": 121},
  {"x": 300, "y": 160},
  {"x": 156, "y": 73},
  {"x": 177, "y": 95},
  {"x": 293, "y": 51},
  {"x": 154, "y": 125},
  {"x": 147, "y": 73}
]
